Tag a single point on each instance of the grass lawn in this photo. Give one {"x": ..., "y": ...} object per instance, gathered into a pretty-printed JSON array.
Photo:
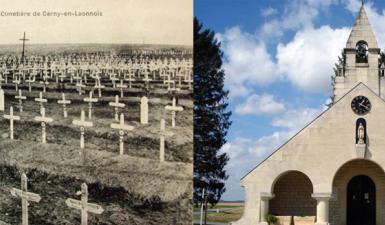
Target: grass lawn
[{"x": 224, "y": 217}]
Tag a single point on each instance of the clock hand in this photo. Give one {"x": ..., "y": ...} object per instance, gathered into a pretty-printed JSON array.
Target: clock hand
[{"x": 360, "y": 104}]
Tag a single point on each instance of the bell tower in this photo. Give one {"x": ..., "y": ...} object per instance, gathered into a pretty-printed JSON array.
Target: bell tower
[{"x": 360, "y": 60}]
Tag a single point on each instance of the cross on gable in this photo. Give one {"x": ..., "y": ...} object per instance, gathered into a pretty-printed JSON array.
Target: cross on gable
[{"x": 83, "y": 205}]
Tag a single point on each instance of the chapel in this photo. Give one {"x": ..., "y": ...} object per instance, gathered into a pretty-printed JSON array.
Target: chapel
[{"x": 331, "y": 171}]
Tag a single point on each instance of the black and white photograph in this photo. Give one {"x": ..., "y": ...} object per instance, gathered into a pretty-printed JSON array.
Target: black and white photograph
[{"x": 96, "y": 112}]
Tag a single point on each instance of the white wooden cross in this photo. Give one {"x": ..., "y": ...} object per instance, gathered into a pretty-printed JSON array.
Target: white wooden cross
[
  {"x": 169, "y": 82},
  {"x": 45, "y": 82},
  {"x": 62, "y": 76},
  {"x": 16, "y": 81},
  {"x": 11, "y": 118},
  {"x": 163, "y": 134},
  {"x": 173, "y": 108},
  {"x": 83, "y": 205},
  {"x": 64, "y": 102},
  {"x": 80, "y": 86},
  {"x": 130, "y": 79},
  {"x": 117, "y": 105},
  {"x": 21, "y": 98},
  {"x": 121, "y": 86},
  {"x": 82, "y": 123},
  {"x": 6, "y": 73},
  {"x": 146, "y": 79},
  {"x": 121, "y": 127},
  {"x": 99, "y": 86},
  {"x": 25, "y": 197},
  {"x": 30, "y": 80},
  {"x": 90, "y": 100},
  {"x": 41, "y": 100},
  {"x": 113, "y": 79},
  {"x": 43, "y": 119}
]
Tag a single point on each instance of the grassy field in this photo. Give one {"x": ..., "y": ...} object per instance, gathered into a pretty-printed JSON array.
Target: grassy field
[{"x": 228, "y": 212}]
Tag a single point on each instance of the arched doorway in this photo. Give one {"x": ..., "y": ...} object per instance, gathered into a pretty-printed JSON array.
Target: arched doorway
[
  {"x": 356, "y": 176},
  {"x": 361, "y": 201},
  {"x": 293, "y": 190}
]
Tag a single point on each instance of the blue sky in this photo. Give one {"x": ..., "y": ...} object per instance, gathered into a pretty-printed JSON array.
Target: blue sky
[{"x": 278, "y": 59}]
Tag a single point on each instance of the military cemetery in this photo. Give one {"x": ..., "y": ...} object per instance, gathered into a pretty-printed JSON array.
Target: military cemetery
[{"x": 97, "y": 134}]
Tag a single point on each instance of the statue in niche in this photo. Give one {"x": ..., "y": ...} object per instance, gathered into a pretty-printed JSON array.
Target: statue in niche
[{"x": 361, "y": 134}]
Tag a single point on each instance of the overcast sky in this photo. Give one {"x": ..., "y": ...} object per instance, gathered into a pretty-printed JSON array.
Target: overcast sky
[{"x": 122, "y": 21}]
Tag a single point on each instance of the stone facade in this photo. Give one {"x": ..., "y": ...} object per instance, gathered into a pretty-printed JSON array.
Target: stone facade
[{"x": 309, "y": 175}]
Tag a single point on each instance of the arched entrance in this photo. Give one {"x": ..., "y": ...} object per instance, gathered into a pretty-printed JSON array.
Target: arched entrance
[
  {"x": 293, "y": 191},
  {"x": 358, "y": 194},
  {"x": 361, "y": 201}
]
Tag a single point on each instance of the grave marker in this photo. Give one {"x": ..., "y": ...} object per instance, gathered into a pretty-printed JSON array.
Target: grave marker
[
  {"x": 2, "y": 100},
  {"x": 121, "y": 86},
  {"x": 173, "y": 108},
  {"x": 82, "y": 123},
  {"x": 11, "y": 118},
  {"x": 163, "y": 134},
  {"x": 41, "y": 100},
  {"x": 64, "y": 102},
  {"x": 144, "y": 110},
  {"x": 90, "y": 100},
  {"x": 117, "y": 105},
  {"x": 25, "y": 197},
  {"x": 21, "y": 98},
  {"x": 121, "y": 127},
  {"x": 43, "y": 119},
  {"x": 83, "y": 205}
]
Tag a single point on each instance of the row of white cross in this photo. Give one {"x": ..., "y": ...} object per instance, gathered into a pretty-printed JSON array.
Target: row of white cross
[
  {"x": 81, "y": 205},
  {"x": 83, "y": 123}
]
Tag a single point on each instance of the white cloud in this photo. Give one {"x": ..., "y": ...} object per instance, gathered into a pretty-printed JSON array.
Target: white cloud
[
  {"x": 247, "y": 61},
  {"x": 296, "y": 119},
  {"x": 264, "y": 104},
  {"x": 244, "y": 154},
  {"x": 270, "y": 11},
  {"x": 353, "y": 5},
  {"x": 307, "y": 61}
]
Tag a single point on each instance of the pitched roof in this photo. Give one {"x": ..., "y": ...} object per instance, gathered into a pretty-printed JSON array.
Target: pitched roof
[{"x": 362, "y": 30}]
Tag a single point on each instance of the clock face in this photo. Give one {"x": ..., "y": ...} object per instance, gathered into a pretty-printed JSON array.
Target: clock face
[{"x": 361, "y": 105}]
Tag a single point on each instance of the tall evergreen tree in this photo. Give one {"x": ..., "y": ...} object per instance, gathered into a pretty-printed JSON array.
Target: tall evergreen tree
[{"x": 211, "y": 118}]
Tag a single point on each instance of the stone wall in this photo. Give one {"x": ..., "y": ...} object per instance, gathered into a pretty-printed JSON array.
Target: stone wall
[{"x": 293, "y": 196}]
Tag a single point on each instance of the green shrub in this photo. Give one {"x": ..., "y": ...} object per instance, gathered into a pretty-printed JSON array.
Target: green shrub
[{"x": 271, "y": 219}]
